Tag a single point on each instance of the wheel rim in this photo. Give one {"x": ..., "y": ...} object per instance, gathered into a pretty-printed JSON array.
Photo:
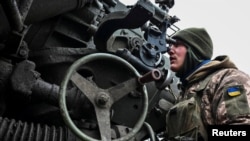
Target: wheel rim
[{"x": 62, "y": 96}]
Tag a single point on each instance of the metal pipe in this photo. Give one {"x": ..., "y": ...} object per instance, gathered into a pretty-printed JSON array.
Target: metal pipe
[{"x": 44, "y": 9}]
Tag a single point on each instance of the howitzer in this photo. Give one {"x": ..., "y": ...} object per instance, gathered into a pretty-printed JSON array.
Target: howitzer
[{"x": 85, "y": 70}]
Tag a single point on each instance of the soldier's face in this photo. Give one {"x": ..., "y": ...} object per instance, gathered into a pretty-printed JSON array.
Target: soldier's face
[{"x": 177, "y": 55}]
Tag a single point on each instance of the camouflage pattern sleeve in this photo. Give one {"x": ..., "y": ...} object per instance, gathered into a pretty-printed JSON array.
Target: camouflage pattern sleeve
[{"x": 226, "y": 99}]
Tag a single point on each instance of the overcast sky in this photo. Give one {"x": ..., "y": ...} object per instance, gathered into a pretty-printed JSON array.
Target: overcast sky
[{"x": 227, "y": 21}]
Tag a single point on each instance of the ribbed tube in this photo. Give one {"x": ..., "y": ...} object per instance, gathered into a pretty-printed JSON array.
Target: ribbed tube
[{"x": 12, "y": 130}]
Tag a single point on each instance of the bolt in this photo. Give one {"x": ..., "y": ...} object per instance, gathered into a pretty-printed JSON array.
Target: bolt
[
  {"x": 103, "y": 99},
  {"x": 23, "y": 52}
]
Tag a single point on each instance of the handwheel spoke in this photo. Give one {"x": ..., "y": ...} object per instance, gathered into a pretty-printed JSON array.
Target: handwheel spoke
[
  {"x": 103, "y": 119},
  {"x": 84, "y": 85},
  {"x": 122, "y": 89}
]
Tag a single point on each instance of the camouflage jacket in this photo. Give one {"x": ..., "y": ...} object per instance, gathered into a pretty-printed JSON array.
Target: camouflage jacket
[
  {"x": 222, "y": 93},
  {"x": 226, "y": 97}
]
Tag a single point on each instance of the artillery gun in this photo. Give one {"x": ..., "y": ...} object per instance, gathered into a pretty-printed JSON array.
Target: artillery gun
[{"x": 74, "y": 70}]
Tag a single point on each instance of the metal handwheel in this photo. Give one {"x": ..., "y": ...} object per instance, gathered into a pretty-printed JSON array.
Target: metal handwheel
[{"x": 102, "y": 99}]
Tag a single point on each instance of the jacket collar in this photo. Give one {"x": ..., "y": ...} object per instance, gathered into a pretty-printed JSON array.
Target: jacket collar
[{"x": 220, "y": 62}]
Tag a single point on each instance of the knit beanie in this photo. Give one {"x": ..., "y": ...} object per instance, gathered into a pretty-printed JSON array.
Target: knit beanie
[
  {"x": 198, "y": 39},
  {"x": 199, "y": 49}
]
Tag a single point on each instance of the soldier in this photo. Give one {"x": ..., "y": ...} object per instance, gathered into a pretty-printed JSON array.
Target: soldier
[{"x": 214, "y": 91}]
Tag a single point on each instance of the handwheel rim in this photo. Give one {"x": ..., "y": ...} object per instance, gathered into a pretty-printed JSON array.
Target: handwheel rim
[{"x": 62, "y": 96}]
